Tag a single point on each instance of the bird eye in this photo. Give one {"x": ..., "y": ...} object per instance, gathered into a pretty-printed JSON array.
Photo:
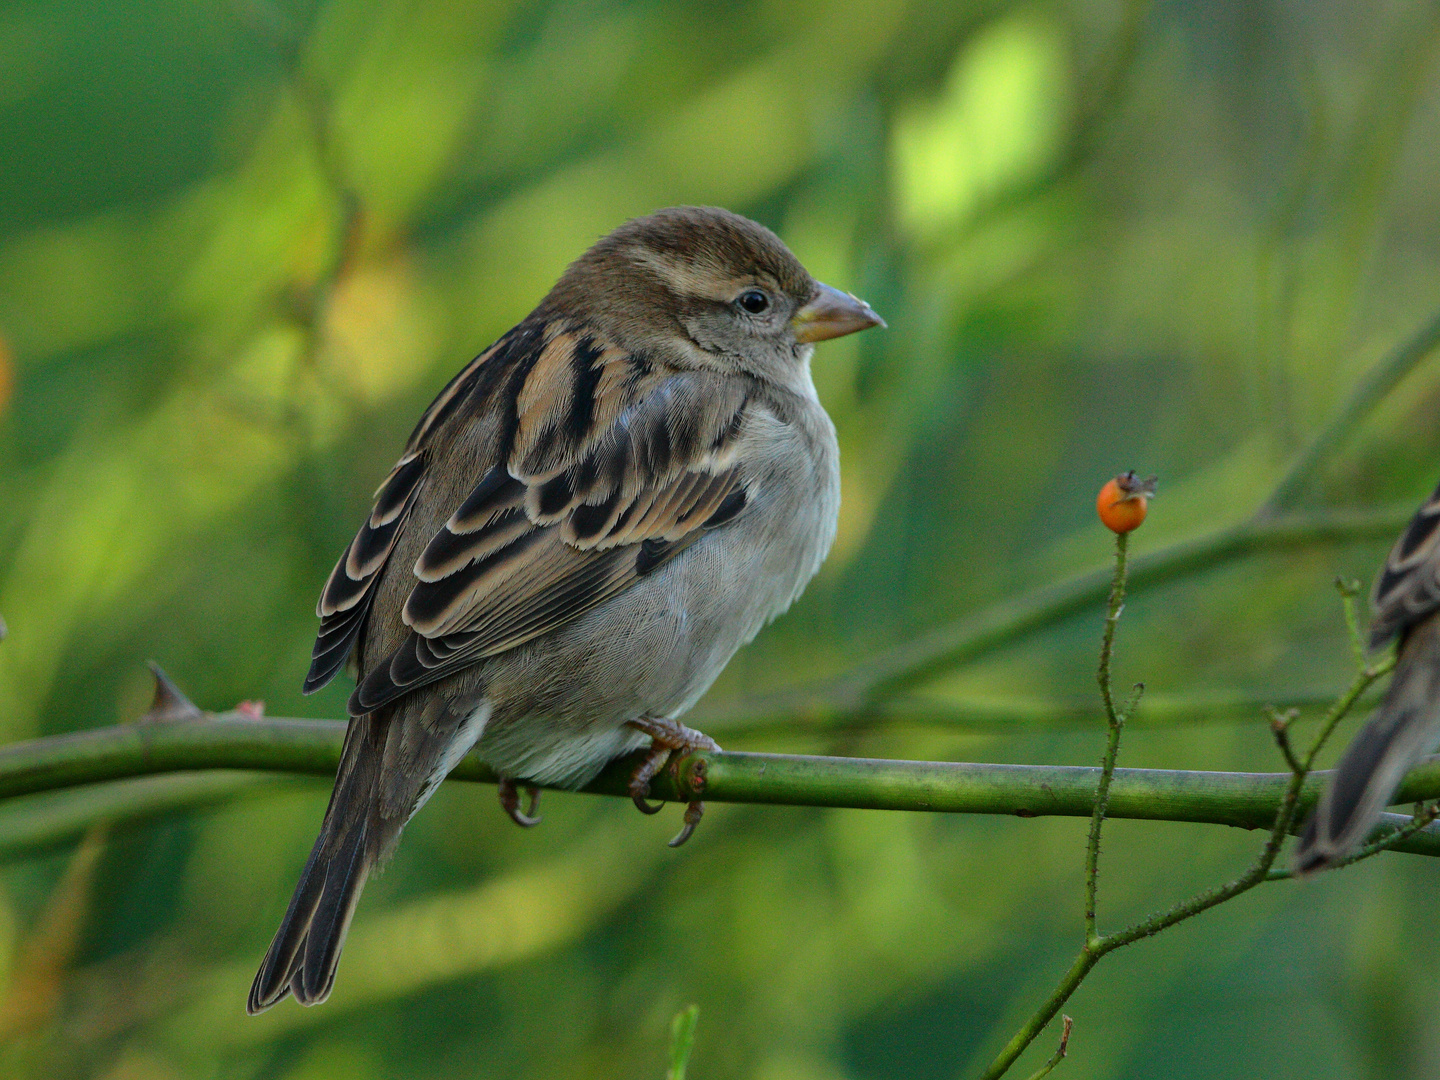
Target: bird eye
[{"x": 754, "y": 301}]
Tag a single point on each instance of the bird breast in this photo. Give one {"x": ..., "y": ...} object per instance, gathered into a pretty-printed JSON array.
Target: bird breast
[{"x": 656, "y": 648}]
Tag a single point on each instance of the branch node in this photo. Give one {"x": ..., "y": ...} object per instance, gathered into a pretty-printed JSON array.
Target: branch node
[
  {"x": 1280, "y": 722},
  {"x": 1136, "y": 693},
  {"x": 1382, "y": 667},
  {"x": 694, "y": 774}
]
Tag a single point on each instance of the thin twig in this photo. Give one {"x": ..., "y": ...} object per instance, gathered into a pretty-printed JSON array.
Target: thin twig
[
  {"x": 1337, "y": 712},
  {"x": 1349, "y": 589},
  {"x": 1280, "y": 725},
  {"x": 1065, "y": 1025},
  {"x": 1393, "y": 829},
  {"x": 1286, "y": 814},
  {"x": 903, "y": 668},
  {"x": 1115, "y": 724},
  {"x": 1037, "y": 1023}
]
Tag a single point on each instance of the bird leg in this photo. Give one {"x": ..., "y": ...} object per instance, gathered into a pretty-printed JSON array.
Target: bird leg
[
  {"x": 510, "y": 802},
  {"x": 667, "y": 737}
]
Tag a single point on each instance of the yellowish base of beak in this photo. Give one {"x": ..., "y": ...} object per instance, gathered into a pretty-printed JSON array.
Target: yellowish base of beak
[{"x": 831, "y": 314}]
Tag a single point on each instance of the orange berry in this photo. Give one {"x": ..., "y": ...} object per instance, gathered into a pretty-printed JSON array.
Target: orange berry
[{"x": 1124, "y": 501}]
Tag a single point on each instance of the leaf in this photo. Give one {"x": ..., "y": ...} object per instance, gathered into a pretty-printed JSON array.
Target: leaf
[{"x": 682, "y": 1038}]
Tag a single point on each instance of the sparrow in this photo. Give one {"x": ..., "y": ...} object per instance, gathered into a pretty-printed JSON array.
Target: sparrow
[
  {"x": 585, "y": 525},
  {"x": 1406, "y": 606}
]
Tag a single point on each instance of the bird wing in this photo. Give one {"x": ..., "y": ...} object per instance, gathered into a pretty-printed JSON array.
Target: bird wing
[
  {"x": 1408, "y": 589},
  {"x": 612, "y": 464},
  {"x": 349, "y": 592}
]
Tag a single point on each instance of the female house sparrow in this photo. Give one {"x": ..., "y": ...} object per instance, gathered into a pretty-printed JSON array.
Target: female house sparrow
[
  {"x": 1407, "y": 724},
  {"x": 585, "y": 525}
]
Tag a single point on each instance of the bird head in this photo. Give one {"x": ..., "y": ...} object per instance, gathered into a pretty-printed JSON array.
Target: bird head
[{"x": 712, "y": 287}]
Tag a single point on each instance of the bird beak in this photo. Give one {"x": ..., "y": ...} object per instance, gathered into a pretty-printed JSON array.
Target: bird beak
[{"x": 831, "y": 314}]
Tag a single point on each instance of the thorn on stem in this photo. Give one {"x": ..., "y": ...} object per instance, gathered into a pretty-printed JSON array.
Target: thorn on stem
[{"x": 169, "y": 702}]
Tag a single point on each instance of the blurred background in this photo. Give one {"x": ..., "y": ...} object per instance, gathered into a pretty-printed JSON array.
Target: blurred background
[{"x": 243, "y": 243}]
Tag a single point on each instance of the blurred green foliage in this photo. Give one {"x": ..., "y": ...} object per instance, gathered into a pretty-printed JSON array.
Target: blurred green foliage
[{"x": 241, "y": 245}]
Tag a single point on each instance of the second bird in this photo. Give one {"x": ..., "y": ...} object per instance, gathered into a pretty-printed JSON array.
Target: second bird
[
  {"x": 1406, "y": 727},
  {"x": 583, "y": 528}
]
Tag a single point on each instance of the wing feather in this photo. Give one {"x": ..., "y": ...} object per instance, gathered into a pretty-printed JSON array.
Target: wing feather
[
  {"x": 1408, "y": 589},
  {"x": 612, "y": 464},
  {"x": 348, "y": 594}
]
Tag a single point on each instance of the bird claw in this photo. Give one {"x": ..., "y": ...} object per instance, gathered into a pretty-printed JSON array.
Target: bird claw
[
  {"x": 693, "y": 813},
  {"x": 510, "y": 803},
  {"x": 666, "y": 739},
  {"x": 644, "y": 806}
]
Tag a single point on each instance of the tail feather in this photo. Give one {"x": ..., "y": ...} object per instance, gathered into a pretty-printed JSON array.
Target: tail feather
[
  {"x": 306, "y": 949},
  {"x": 391, "y": 763},
  {"x": 1403, "y": 730},
  {"x": 273, "y": 979},
  {"x": 344, "y": 879}
]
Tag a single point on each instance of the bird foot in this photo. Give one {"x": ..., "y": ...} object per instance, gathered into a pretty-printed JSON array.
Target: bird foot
[
  {"x": 694, "y": 811},
  {"x": 667, "y": 738},
  {"x": 510, "y": 803}
]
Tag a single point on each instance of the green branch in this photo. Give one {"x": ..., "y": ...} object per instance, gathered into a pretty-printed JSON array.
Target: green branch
[
  {"x": 1390, "y": 835},
  {"x": 1393, "y": 832},
  {"x": 35, "y": 824},
  {"x": 907, "y": 666},
  {"x": 1115, "y": 725},
  {"x": 1037, "y": 714},
  {"x": 312, "y": 747},
  {"x": 967, "y": 639},
  {"x": 1369, "y": 392}
]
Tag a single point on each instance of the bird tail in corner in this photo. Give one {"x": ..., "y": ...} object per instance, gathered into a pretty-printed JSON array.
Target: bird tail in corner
[
  {"x": 1404, "y": 729},
  {"x": 306, "y": 950}
]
